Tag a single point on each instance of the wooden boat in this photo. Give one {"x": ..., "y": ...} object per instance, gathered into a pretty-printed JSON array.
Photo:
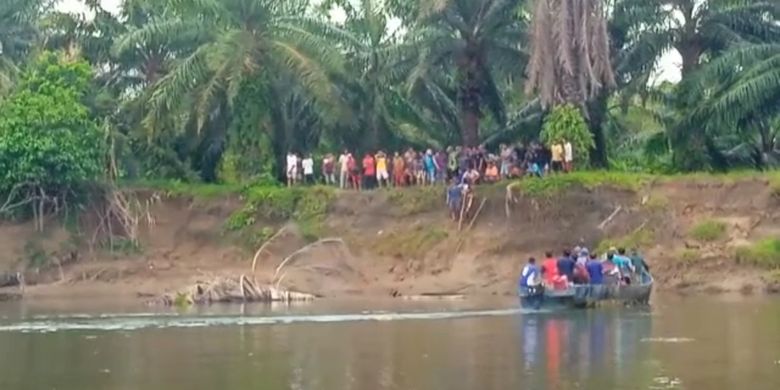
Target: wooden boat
[{"x": 583, "y": 296}]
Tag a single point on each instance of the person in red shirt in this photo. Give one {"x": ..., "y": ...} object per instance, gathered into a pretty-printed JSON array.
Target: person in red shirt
[
  {"x": 550, "y": 269},
  {"x": 354, "y": 172},
  {"x": 369, "y": 171}
]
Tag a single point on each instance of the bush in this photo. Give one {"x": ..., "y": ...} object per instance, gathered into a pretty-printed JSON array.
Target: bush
[
  {"x": 48, "y": 143},
  {"x": 765, "y": 253},
  {"x": 566, "y": 123},
  {"x": 709, "y": 231}
]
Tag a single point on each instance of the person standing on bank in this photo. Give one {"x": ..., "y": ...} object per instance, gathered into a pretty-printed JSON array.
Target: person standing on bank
[
  {"x": 292, "y": 169},
  {"x": 308, "y": 169},
  {"x": 344, "y": 169},
  {"x": 557, "y": 156}
]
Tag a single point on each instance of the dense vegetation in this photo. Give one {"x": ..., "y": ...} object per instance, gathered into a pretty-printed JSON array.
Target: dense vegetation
[{"x": 220, "y": 90}]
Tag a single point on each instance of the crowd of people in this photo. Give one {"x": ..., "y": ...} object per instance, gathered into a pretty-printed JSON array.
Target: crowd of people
[
  {"x": 582, "y": 267},
  {"x": 415, "y": 168}
]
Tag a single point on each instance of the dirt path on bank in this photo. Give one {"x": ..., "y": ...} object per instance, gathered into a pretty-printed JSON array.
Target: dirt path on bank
[{"x": 386, "y": 244}]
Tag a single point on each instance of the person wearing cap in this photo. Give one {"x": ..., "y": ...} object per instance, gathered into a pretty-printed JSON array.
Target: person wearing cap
[{"x": 582, "y": 256}]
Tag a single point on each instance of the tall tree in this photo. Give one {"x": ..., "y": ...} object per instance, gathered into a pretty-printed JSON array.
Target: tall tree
[
  {"x": 481, "y": 40},
  {"x": 18, "y": 35},
  {"x": 570, "y": 60},
  {"x": 220, "y": 47},
  {"x": 739, "y": 102},
  {"x": 707, "y": 26},
  {"x": 377, "y": 59}
]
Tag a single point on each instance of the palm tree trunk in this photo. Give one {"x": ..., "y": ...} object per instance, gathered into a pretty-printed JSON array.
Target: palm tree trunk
[
  {"x": 597, "y": 112},
  {"x": 469, "y": 100},
  {"x": 691, "y": 53}
]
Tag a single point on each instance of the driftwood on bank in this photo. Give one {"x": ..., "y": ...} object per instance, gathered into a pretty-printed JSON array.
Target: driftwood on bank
[{"x": 232, "y": 289}]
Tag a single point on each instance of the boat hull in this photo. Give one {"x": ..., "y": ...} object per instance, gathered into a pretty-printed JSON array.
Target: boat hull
[{"x": 583, "y": 296}]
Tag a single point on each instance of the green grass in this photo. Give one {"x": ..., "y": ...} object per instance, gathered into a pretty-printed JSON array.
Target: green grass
[
  {"x": 688, "y": 256},
  {"x": 708, "y": 231},
  {"x": 180, "y": 188},
  {"x": 417, "y": 200},
  {"x": 764, "y": 253},
  {"x": 554, "y": 184},
  {"x": 307, "y": 206},
  {"x": 413, "y": 243},
  {"x": 638, "y": 239},
  {"x": 657, "y": 202}
]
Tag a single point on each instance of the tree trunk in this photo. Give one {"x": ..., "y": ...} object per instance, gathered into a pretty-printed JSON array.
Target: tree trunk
[
  {"x": 469, "y": 96},
  {"x": 690, "y": 53},
  {"x": 597, "y": 112}
]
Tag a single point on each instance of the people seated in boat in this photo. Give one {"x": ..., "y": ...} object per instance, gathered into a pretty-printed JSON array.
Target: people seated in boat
[
  {"x": 552, "y": 278},
  {"x": 624, "y": 265},
  {"x": 566, "y": 265},
  {"x": 530, "y": 278},
  {"x": 595, "y": 269},
  {"x": 611, "y": 270},
  {"x": 582, "y": 256},
  {"x": 581, "y": 275},
  {"x": 641, "y": 269}
]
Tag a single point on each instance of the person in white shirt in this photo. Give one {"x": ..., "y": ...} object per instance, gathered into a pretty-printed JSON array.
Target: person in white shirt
[
  {"x": 343, "y": 169},
  {"x": 292, "y": 168},
  {"x": 308, "y": 169},
  {"x": 568, "y": 156}
]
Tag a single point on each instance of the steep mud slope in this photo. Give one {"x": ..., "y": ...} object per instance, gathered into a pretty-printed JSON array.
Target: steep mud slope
[{"x": 702, "y": 235}]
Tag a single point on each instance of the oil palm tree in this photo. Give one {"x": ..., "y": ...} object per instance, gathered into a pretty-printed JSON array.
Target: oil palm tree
[
  {"x": 377, "y": 59},
  {"x": 18, "y": 34},
  {"x": 481, "y": 40},
  {"x": 231, "y": 41},
  {"x": 570, "y": 61},
  {"x": 739, "y": 100}
]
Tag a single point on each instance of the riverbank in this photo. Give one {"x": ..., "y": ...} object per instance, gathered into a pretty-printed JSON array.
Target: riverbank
[{"x": 700, "y": 233}]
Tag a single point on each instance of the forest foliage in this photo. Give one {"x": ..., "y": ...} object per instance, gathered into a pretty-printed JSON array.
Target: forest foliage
[{"x": 221, "y": 90}]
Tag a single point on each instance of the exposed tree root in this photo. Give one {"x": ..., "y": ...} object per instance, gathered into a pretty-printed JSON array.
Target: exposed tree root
[
  {"x": 232, "y": 289},
  {"x": 120, "y": 215},
  {"x": 264, "y": 246}
]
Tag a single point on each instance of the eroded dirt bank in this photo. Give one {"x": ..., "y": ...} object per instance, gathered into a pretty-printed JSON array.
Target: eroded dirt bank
[{"x": 697, "y": 236}]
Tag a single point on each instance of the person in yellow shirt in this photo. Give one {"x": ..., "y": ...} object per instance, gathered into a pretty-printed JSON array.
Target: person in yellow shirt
[
  {"x": 557, "y": 156},
  {"x": 382, "y": 176}
]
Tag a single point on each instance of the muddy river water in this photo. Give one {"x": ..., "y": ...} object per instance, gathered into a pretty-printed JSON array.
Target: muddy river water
[{"x": 679, "y": 343}]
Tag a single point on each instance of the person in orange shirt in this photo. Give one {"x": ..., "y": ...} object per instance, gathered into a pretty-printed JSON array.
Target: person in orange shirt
[
  {"x": 382, "y": 176},
  {"x": 399, "y": 170},
  {"x": 491, "y": 173},
  {"x": 550, "y": 269},
  {"x": 369, "y": 171}
]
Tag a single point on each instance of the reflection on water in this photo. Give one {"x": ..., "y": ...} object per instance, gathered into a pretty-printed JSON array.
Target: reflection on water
[
  {"x": 567, "y": 350},
  {"x": 678, "y": 345}
]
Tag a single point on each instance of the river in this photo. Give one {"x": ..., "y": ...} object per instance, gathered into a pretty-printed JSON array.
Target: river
[{"x": 679, "y": 343}]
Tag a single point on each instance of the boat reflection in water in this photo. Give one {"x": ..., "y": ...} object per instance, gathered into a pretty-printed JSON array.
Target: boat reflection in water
[{"x": 586, "y": 349}]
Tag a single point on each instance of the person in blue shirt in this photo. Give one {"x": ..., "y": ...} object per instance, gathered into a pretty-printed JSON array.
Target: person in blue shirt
[
  {"x": 454, "y": 199},
  {"x": 566, "y": 265},
  {"x": 624, "y": 265},
  {"x": 530, "y": 275},
  {"x": 430, "y": 167},
  {"x": 530, "y": 283},
  {"x": 595, "y": 269}
]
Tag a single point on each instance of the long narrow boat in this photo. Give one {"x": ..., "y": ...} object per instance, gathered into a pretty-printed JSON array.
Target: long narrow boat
[{"x": 583, "y": 296}]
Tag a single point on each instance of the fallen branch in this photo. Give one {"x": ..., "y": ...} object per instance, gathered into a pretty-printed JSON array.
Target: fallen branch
[
  {"x": 265, "y": 244},
  {"x": 609, "y": 219},
  {"x": 231, "y": 289},
  {"x": 304, "y": 249},
  {"x": 510, "y": 198},
  {"x": 479, "y": 210},
  {"x": 468, "y": 201}
]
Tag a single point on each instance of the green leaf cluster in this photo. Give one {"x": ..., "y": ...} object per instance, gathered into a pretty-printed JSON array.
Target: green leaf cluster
[
  {"x": 47, "y": 139},
  {"x": 565, "y": 123}
]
